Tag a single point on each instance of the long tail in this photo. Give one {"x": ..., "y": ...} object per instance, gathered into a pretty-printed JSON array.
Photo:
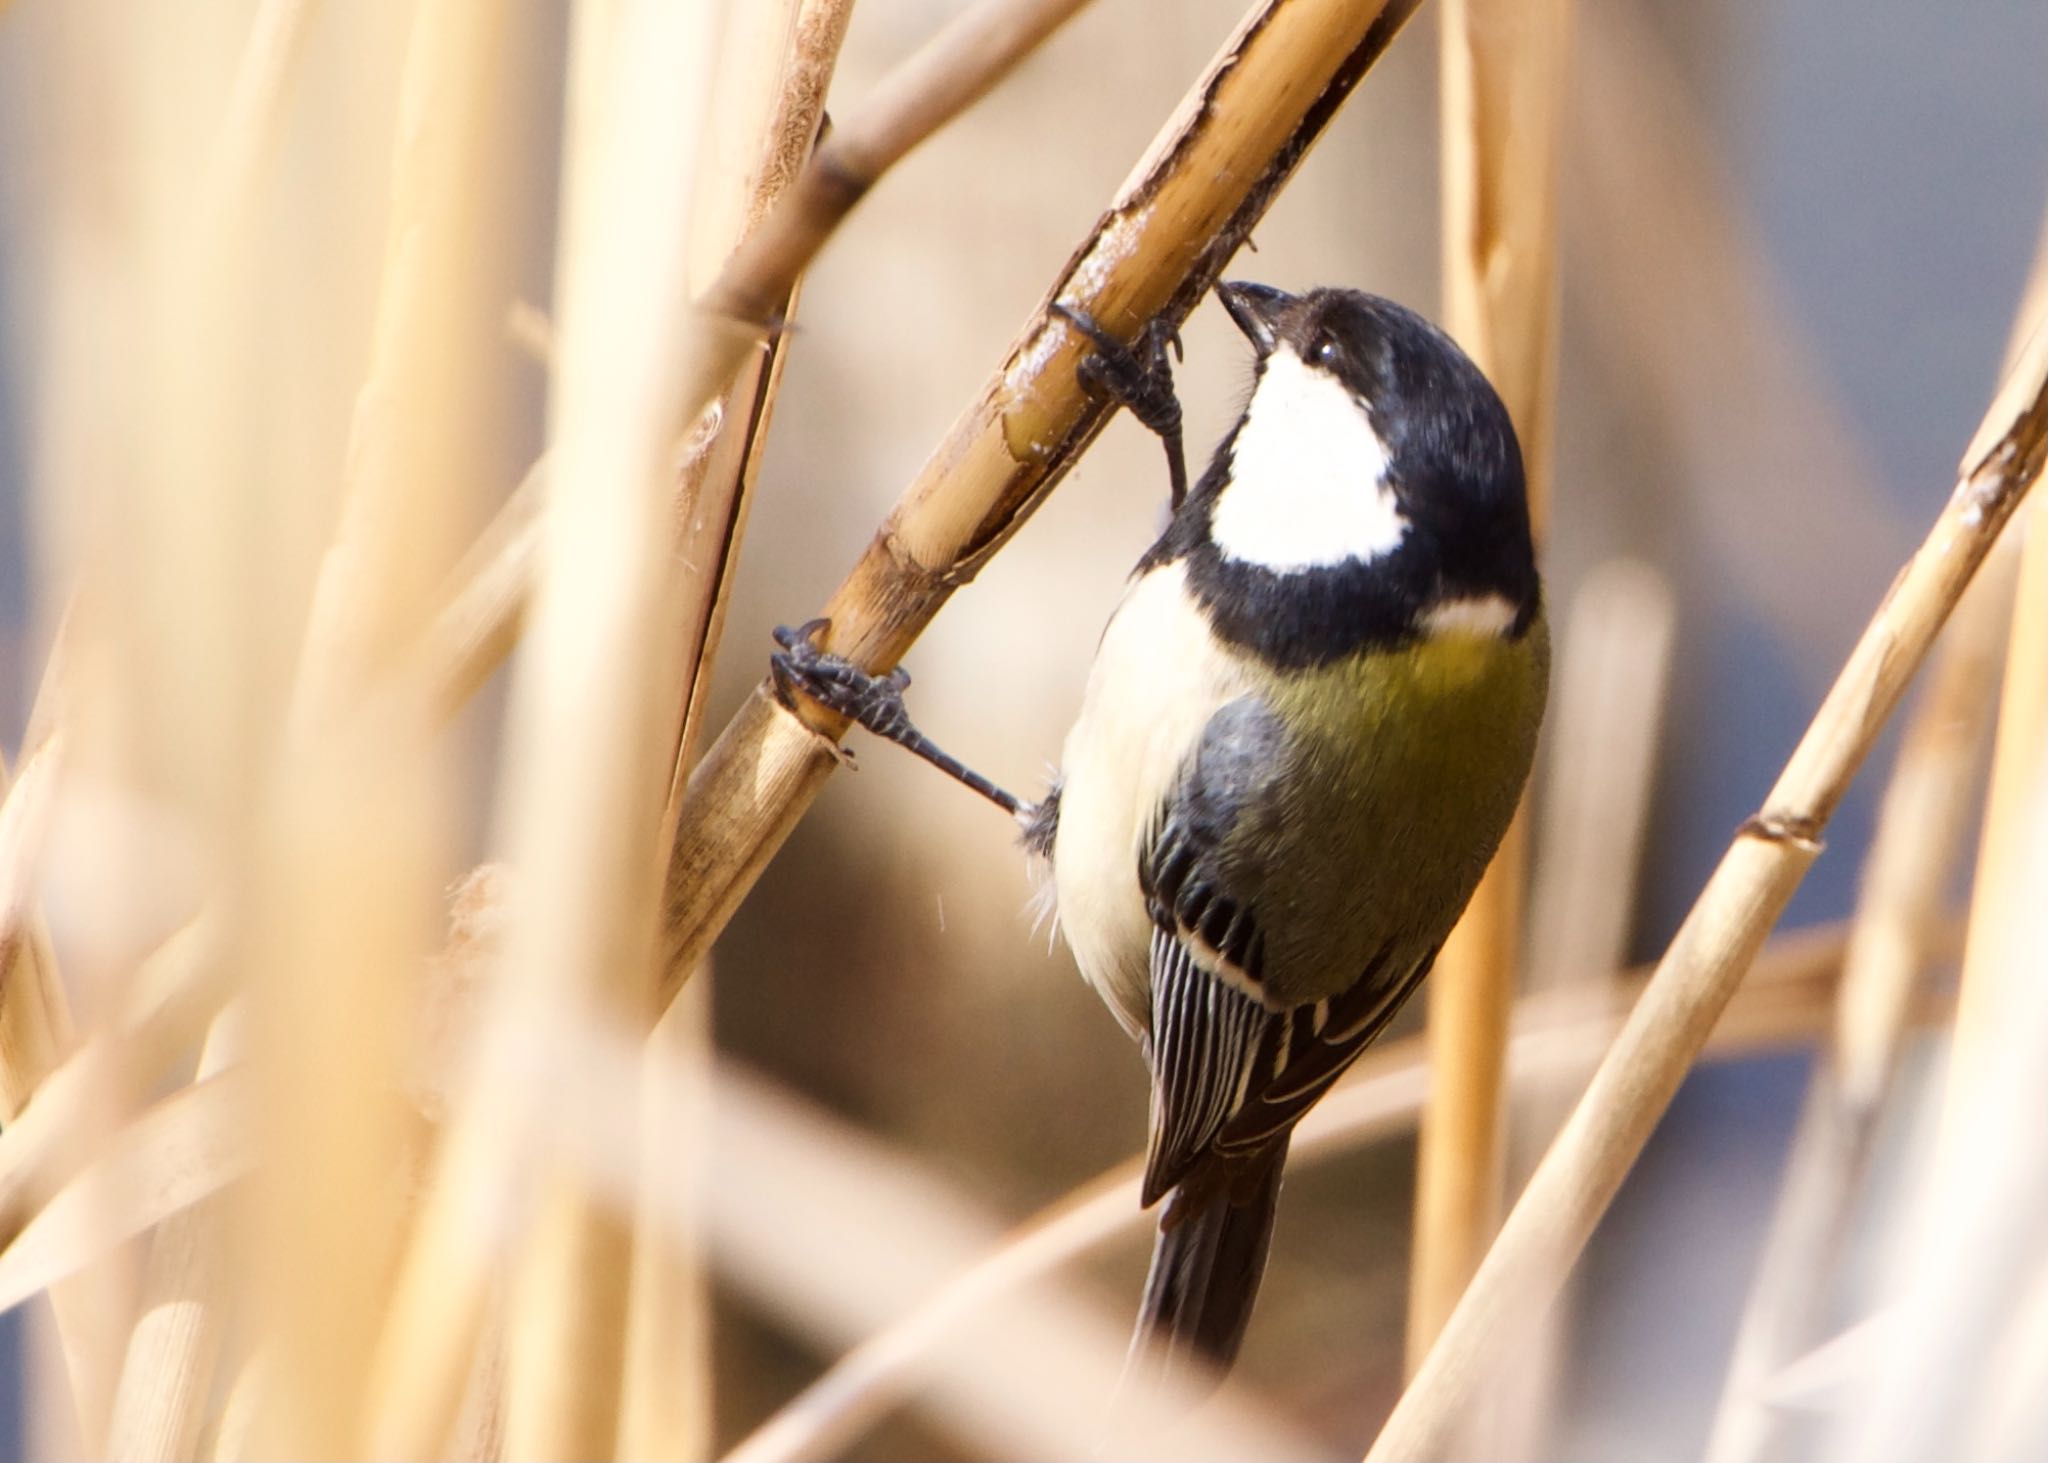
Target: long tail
[{"x": 1206, "y": 1266}]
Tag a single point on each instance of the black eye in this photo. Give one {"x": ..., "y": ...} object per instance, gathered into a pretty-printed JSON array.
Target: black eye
[{"x": 1325, "y": 354}]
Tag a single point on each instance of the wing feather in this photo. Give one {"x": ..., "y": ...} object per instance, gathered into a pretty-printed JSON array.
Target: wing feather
[
  {"x": 1205, "y": 1037},
  {"x": 1231, "y": 1074}
]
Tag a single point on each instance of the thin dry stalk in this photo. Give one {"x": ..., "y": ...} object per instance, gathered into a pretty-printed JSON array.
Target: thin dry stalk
[
  {"x": 175, "y": 1153},
  {"x": 591, "y": 754},
  {"x": 1927, "y": 810},
  {"x": 1556, "y": 1039},
  {"x": 1794, "y": 979},
  {"x": 1503, "y": 79},
  {"x": 668, "y": 1400},
  {"x": 1206, "y": 180},
  {"x": 1635, "y": 1083},
  {"x": 2019, "y": 760},
  {"x": 35, "y": 1017},
  {"x": 151, "y": 325},
  {"x": 166, "y": 1387},
  {"x": 830, "y": 1230},
  {"x": 1606, "y": 721},
  {"x": 276, "y": 40},
  {"x": 1938, "y": 1382},
  {"x": 343, "y": 897},
  {"x": 481, "y": 617},
  {"x": 427, "y": 1338},
  {"x": 765, "y": 110}
]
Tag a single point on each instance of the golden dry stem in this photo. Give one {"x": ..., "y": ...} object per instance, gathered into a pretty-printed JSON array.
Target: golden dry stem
[
  {"x": 1503, "y": 83},
  {"x": 1578, "y": 1177}
]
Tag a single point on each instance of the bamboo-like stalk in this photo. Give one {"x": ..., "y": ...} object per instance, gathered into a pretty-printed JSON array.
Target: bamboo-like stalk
[
  {"x": 1205, "y": 181},
  {"x": 1925, "y": 814},
  {"x": 1503, "y": 78},
  {"x": 1635, "y": 1083}
]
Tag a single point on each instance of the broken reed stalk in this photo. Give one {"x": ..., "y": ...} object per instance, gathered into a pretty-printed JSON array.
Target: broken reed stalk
[
  {"x": 1578, "y": 1177},
  {"x": 1503, "y": 78},
  {"x": 1203, "y": 184},
  {"x": 1927, "y": 810},
  {"x": 766, "y": 110},
  {"x": 1555, "y": 1039},
  {"x": 430, "y": 1332}
]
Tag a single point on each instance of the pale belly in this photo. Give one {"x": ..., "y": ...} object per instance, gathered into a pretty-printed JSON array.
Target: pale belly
[{"x": 1158, "y": 678}]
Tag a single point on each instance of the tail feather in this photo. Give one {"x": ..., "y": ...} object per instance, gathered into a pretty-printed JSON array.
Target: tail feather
[{"x": 1206, "y": 1266}]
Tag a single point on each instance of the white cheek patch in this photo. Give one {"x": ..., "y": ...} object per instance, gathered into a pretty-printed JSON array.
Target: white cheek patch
[
  {"x": 1486, "y": 617},
  {"x": 1308, "y": 476}
]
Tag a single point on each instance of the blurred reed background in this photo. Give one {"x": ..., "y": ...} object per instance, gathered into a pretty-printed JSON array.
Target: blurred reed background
[{"x": 329, "y": 1121}]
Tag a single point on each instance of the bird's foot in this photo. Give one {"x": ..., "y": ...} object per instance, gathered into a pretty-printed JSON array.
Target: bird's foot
[
  {"x": 804, "y": 667},
  {"x": 1137, "y": 377}
]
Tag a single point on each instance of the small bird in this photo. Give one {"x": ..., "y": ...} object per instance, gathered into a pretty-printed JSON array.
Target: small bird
[{"x": 1308, "y": 724}]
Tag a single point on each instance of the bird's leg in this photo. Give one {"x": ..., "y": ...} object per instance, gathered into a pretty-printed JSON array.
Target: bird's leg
[
  {"x": 875, "y": 702},
  {"x": 1138, "y": 378}
]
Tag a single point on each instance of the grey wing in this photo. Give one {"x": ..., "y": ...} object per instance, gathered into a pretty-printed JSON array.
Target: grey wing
[
  {"x": 1229, "y": 1073},
  {"x": 1201, "y": 883}
]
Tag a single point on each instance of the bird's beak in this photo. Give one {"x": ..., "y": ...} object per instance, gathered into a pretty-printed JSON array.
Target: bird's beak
[{"x": 1256, "y": 308}]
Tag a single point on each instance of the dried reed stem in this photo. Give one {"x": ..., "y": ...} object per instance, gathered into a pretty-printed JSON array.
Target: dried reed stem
[
  {"x": 342, "y": 890},
  {"x": 276, "y": 39},
  {"x": 1629, "y": 1093},
  {"x": 35, "y": 1017},
  {"x": 481, "y": 617},
  {"x": 428, "y": 1336},
  {"x": 766, "y": 109},
  {"x": 197, "y": 1141},
  {"x": 1503, "y": 78},
  {"x": 1204, "y": 183},
  {"x": 167, "y": 1377},
  {"x": 1555, "y": 1039},
  {"x": 1926, "y": 812},
  {"x": 589, "y": 723},
  {"x": 1605, "y": 723},
  {"x": 1939, "y": 1381},
  {"x": 2019, "y": 769}
]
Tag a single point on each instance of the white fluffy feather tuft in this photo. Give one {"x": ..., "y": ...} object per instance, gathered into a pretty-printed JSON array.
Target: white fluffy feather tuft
[{"x": 1486, "y": 617}]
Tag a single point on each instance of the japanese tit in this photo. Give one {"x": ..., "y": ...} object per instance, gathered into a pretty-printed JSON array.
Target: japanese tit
[{"x": 1307, "y": 726}]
